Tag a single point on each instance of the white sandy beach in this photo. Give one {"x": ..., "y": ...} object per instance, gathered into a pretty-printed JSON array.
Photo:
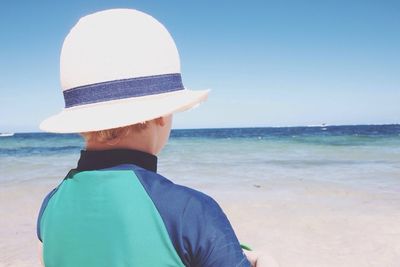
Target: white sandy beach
[{"x": 298, "y": 222}]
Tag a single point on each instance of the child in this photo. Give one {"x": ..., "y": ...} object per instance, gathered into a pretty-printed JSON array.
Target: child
[{"x": 121, "y": 81}]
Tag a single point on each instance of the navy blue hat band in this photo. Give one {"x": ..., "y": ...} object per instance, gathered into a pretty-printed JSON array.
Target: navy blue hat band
[{"x": 120, "y": 89}]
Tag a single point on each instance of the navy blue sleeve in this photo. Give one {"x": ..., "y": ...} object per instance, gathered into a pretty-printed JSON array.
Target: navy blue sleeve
[
  {"x": 197, "y": 226},
  {"x": 42, "y": 208},
  {"x": 215, "y": 243}
]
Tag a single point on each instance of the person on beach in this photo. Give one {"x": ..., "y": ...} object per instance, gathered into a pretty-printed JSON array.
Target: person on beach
[{"x": 120, "y": 74}]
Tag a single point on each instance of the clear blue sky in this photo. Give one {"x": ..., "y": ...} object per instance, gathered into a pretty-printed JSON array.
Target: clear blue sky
[{"x": 269, "y": 63}]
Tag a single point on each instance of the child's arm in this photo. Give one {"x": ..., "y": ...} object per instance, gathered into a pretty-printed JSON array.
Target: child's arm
[{"x": 213, "y": 241}]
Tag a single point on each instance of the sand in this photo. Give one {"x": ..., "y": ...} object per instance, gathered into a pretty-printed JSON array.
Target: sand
[{"x": 298, "y": 222}]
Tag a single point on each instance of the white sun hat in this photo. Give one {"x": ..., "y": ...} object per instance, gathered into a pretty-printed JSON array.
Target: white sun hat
[{"x": 119, "y": 67}]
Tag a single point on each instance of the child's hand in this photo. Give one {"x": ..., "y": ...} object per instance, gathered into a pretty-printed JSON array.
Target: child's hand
[
  {"x": 257, "y": 261},
  {"x": 252, "y": 257}
]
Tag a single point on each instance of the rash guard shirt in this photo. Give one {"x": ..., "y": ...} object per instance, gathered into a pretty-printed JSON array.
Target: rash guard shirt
[{"x": 115, "y": 210}]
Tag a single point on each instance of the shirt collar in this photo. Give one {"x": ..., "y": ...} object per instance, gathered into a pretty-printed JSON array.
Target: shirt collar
[{"x": 102, "y": 159}]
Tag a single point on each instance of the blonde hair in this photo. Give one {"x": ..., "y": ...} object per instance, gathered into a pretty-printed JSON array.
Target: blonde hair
[{"x": 104, "y": 136}]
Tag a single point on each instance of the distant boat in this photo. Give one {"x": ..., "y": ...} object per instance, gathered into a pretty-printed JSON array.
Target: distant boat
[
  {"x": 6, "y": 134},
  {"x": 323, "y": 128}
]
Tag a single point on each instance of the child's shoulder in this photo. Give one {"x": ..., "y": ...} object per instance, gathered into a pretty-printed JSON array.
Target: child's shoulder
[{"x": 160, "y": 187}]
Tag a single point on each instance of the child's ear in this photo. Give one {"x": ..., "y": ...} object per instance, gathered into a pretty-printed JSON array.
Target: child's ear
[{"x": 160, "y": 121}]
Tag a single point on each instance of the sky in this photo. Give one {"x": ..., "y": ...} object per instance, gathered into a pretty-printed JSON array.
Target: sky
[{"x": 268, "y": 63}]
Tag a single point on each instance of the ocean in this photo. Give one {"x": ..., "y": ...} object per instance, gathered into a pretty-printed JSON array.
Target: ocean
[{"x": 361, "y": 156}]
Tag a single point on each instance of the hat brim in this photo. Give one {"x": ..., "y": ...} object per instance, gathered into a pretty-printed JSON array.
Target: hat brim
[{"x": 119, "y": 113}]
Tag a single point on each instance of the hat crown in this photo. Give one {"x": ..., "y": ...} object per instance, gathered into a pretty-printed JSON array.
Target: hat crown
[
  {"x": 119, "y": 67},
  {"x": 116, "y": 44}
]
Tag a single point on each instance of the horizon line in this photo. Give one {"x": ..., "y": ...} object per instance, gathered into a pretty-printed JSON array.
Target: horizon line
[{"x": 251, "y": 127}]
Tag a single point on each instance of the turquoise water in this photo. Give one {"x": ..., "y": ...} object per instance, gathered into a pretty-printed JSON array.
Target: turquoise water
[{"x": 356, "y": 155}]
